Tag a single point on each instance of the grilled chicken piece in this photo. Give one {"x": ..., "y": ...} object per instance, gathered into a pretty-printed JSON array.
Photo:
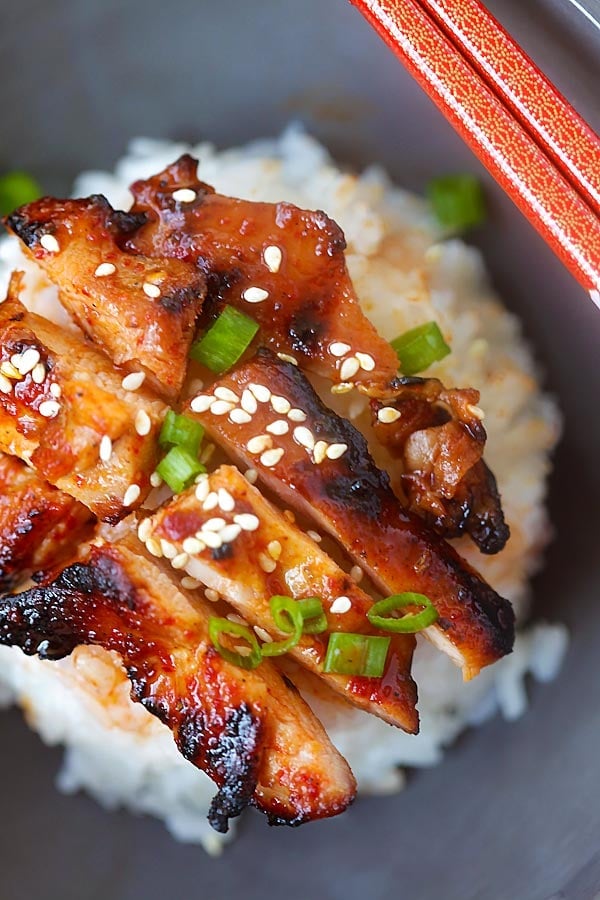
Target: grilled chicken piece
[
  {"x": 64, "y": 410},
  {"x": 142, "y": 312},
  {"x": 321, "y": 466},
  {"x": 255, "y": 554},
  {"x": 249, "y": 730},
  {"x": 286, "y": 268},
  {"x": 38, "y": 523}
]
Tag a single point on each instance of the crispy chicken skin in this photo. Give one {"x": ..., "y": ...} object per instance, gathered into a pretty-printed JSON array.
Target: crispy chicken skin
[
  {"x": 142, "y": 312},
  {"x": 322, "y": 467},
  {"x": 250, "y": 731},
  {"x": 38, "y": 523},
  {"x": 56, "y": 415},
  {"x": 309, "y": 310},
  {"x": 271, "y": 556}
]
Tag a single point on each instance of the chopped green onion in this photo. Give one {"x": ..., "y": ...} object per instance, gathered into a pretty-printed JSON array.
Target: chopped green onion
[
  {"x": 356, "y": 654},
  {"x": 179, "y": 468},
  {"x": 287, "y": 615},
  {"x": 181, "y": 431},
  {"x": 418, "y": 348},
  {"x": 315, "y": 620},
  {"x": 457, "y": 201},
  {"x": 17, "y": 188},
  {"x": 379, "y": 616},
  {"x": 218, "y": 627},
  {"x": 225, "y": 341}
]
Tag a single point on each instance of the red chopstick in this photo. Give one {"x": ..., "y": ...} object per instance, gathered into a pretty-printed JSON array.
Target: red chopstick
[{"x": 508, "y": 150}]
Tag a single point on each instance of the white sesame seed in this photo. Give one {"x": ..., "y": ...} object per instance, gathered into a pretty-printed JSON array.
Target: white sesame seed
[
  {"x": 272, "y": 256},
  {"x": 55, "y": 390},
  {"x": 266, "y": 563},
  {"x": 192, "y": 546},
  {"x": 297, "y": 415},
  {"x": 320, "y": 452},
  {"x": 212, "y": 539},
  {"x": 6, "y": 386},
  {"x": 16, "y": 360},
  {"x": 344, "y": 387},
  {"x": 180, "y": 561},
  {"x": 49, "y": 409},
  {"x": 259, "y": 443},
  {"x": 270, "y": 458},
  {"x": 211, "y": 501},
  {"x": 9, "y": 371},
  {"x": 247, "y": 521},
  {"x": 214, "y": 524},
  {"x": 220, "y": 407},
  {"x": 475, "y": 411},
  {"x": 334, "y": 451},
  {"x": 251, "y": 475},
  {"x": 274, "y": 549},
  {"x": 212, "y": 596},
  {"x": 230, "y": 533},
  {"x": 199, "y": 536},
  {"x": 151, "y": 290},
  {"x": 365, "y": 361},
  {"x": 280, "y": 404},
  {"x": 255, "y": 295},
  {"x": 285, "y": 357},
  {"x": 106, "y": 448},
  {"x": 144, "y": 529},
  {"x": 49, "y": 243},
  {"x": 153, "y": 547},
  {"x": 184, "y": 195},
  {"x": 315, "y": 536},
  {"x": 168, "y": 549},
  {"x": 189, "y": 583},
  {"x": 387, "y": 415},
  {"x": 29, "y": 360},
  {"x": 133, "y": 381},
  {"x": 349, "y": 368},
  {"x": 223, "y": 393},
  {"x": 226, "y": 501},
  {"x": 240, "y": 417},
  {"x": 202, "y": 490},
  {"x": 263, "y": 635},
  {"x": 243, "y": 649},
  {"x": 202, "y": 403},
  {"x": 156, "y": 480},
  {"x": 356, "y": 574},
  {"x": 248, "y": 402},
  {"x": 131, "y": 494},
  {"x": 339, "y": 348},
  {"x": 280, "y": 426},
  {"x": 39, "y": 373},
  {"x": 105, "y": 269},
  {"x": 261, "y": 392},
  {"x": 304, "y": 437},
  {"x": 340, "y": 606},
  {"x": 143, "y": 423}
]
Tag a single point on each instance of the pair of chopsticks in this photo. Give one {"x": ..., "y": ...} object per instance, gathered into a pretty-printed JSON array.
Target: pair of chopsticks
[{"x": 522, "y": 129}]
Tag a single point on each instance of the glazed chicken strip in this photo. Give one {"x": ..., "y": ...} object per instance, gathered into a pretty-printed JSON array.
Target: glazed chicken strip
[
  {"x": 248, "y": 730},
  {"x": 286, "y": 268},
  {"x": 67, "y": 412},
  {"x": 142, "y": 312},
  {"x": 320, "y": 464},
  {"x": 231, "y": 539},
  {"x": 38, "y": 523}
]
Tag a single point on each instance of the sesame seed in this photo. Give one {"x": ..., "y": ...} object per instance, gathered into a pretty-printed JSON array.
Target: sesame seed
[
  {"x": 49, "y": 409},
  {"x": 233, "y": 617},
  {"x": 16, "y": 360},
  {"x": 475, "y": 411},
  {"x": 349, "y": 368},
  {"x": 251, "y": 475},
  {"x": 248, "y": 402},
  {"x": 155, "y": 480},
  {"x": 285, "y": 357},
  {"x": 230, "y": 533},
  {"x": 247, "y": 521},
  {"x": 212, "y": 539},
  {"x": 261, "y": 392},
  {"x": 297, "y": 415},
  {"x": 356, "y": 574},
  {"x": 274, "y": 549},
  {"x": 28, "y": 361},
  {"x": 212, "y": 596},
  {"x": 255, "y": 295},
  {"x": 207, "y": 453},
  {"x": 223, "y": 393},
  {"x": 211, "y": 501},
  {"x": 270, "y": 458},
  {"x": 220, "y": 407},
  {"x": 9, "y": 371},
  {"x": 240, "y": 417},
  {"x": 334, "y": 451},
  {"x": 144, "y": 529},
  {"x": 315, "y": 536},
  {"x": 365, "y": 361},
  {"x": 192, "y": 546},
  {"x": 6, "y": 386},
  {"x": 131, "y": 494},
  {"x": 55, "y": 390},
  {"x": 280, "y": 426},
  {"x": 199, "y": 536},
  {"x": 266, "y": 563},
  {"x": 153, "y": 547},
  {"x": 259, "y": 443},
  {"x": 214, "y": 524},
  {"x": 106, "y": 448},
  {"x": 39, "y": 373},
  {"x": 243, "y": 649},
  {"x": 320, "y": 452},
  {"x": 263, "y": 635},
  {"x": 202, "y": 403},
  {"x": 105, "y": 269},
  {"x": 272, "y": 256},
  {"x": 340, "y": 605},
  {"x": 226, "y": 501},
  {"x": 151, "y": 290},
  {"x": 180, "y": 561},
  {"x": 169, "y": 550},
  {"x": 339, "y": 348},
  {"x": 304, "y": 437},
  {"x": 133, "y": 381},
  {"x": 387, "y": 415},
  {"x": 189, "y": 583},
  {"x": 280, "y": 404},
  {"x": 342, "y": 388},
  {"x": 184, "y": 195},
  {"x": 289, "y": 515},
  {"x": 143, "y": 423},
  {"x": 49, "y": 243},
  {"x": 202, "y": 490}
]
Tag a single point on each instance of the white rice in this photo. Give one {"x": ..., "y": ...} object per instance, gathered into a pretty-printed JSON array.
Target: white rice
[{"x": 405, "y": 274}]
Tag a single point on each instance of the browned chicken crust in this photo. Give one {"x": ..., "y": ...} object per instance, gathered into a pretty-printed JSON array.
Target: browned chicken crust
[{"x": 248, "y": 730}]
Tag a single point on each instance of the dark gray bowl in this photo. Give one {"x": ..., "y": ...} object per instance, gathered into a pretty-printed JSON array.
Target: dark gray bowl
[{"x": 513, "y": 813}]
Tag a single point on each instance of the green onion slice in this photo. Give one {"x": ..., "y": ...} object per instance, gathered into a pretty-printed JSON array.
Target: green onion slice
[
  {"x": 218, "y": 627},
  {"x": 287, "y": 615},
  {"x": 225, "y": 341},
  {"x": 380, "y": 613},
  {"x": 179, "y": 468},
  {"x": 356, "y": 654},
  {"x": 17, "y": 188},
  {"x": 181, "y": 431},
  {"x": 418, "y": 348},
  {"x": 457, "y": 201},
  {"x": 315, "y": 620}
]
